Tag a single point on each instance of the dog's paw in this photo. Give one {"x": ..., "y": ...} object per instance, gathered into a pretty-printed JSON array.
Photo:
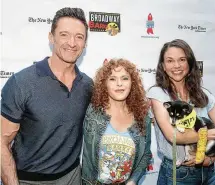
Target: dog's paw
[
  {"x": 180, "y": 129},
  {"x": 188, "y": 158},
  {"x": 178, "y": 163}
]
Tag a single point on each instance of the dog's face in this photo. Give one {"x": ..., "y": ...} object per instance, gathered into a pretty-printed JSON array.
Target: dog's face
[{"x": 177, "y": 110}]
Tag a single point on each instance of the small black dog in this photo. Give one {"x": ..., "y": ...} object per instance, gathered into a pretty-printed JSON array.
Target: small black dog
[{"x": 178, "y": 110}]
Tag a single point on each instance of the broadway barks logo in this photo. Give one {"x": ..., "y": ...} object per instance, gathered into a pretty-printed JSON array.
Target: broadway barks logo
[
  {"x": 150, "y": 24},
  {"x": 104, "y": 22}
]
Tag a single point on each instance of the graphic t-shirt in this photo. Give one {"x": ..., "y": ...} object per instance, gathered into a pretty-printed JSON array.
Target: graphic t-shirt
[{"x": 116, "y": 154}]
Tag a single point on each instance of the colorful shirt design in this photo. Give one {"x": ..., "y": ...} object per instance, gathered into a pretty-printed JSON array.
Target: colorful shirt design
[{"x": 115, "y": 156}]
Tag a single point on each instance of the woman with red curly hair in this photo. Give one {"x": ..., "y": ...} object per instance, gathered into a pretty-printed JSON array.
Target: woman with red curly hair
[{"x": 117, "y": 128}]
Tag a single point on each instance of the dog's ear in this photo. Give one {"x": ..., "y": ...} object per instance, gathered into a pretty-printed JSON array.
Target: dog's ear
[
  {"x": 186, "y": 108},
  {"x": 167, "y": 104}
]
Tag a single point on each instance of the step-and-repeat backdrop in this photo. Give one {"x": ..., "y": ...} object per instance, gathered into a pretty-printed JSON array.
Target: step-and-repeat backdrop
[{"x": 141, "y": 28}]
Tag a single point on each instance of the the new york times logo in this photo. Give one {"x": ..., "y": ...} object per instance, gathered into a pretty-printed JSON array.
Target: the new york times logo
[
  {"x": 39, "y": 20},
  {"x": 104, "y": 22},
  {"x": 149, "y": 70},
  {"x": 192, "y": 28},
  {"x": 6, "y": 74}
]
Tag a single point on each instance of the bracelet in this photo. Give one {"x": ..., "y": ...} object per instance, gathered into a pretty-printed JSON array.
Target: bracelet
[{"x": 211, "y": 161}]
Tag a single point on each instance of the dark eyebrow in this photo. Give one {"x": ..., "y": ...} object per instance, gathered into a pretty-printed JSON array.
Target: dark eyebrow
[
  {"x": 80, "y": 34},
  {"x": 64, "y": 32},
  {"x": 120, "y": 76},
  {"x": 69, "y": 33},
  {"x": 172, "y": 58},
  {"x": 125, "y": 76}
]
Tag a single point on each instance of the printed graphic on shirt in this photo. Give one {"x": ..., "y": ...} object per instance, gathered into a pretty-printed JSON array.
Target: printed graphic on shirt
[{"x": 116, "y": 156}]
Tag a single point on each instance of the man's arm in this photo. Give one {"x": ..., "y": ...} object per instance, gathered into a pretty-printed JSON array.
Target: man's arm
[{"x": 8, "y": 166}]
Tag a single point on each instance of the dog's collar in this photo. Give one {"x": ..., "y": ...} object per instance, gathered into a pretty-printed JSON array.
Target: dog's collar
[{"x": 188, "y": 121}]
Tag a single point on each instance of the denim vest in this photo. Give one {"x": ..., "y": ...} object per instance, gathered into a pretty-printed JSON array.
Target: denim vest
[{"x": 95, "y": 124}]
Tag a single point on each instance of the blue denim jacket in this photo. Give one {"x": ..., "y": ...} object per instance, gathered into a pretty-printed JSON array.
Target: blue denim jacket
[{"x": 95, "y": 124}]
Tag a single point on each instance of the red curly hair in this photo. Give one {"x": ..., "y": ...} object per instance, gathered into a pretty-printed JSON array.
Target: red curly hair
[{"x": 136, "y": 101}]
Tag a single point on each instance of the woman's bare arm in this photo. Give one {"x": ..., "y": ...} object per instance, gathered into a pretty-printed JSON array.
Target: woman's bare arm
[{"x": 163, "y": 120}]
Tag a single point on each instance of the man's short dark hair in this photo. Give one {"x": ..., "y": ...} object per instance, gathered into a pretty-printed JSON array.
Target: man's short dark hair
[{"x": 76, "y": 13}]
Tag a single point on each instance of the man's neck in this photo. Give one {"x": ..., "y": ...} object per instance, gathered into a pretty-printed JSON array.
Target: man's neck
[
  {"x": 64, "y": 72},
  {"x": 60, "y": 67}
]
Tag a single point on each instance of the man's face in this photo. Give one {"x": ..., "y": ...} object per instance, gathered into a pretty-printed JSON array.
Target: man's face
[{"x": 69, "y": 39}]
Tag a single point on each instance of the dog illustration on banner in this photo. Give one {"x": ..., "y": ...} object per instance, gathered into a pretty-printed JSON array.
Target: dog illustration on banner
[{"x": 112, "y": 29}]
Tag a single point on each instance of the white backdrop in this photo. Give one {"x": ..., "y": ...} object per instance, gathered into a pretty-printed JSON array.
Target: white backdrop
[{"x": 24, "y": 41}]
